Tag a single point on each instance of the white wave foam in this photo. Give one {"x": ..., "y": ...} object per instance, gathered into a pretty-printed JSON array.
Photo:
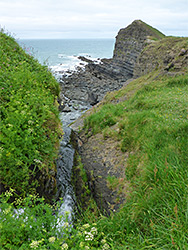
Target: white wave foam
[{"x": 70, "y": 64}]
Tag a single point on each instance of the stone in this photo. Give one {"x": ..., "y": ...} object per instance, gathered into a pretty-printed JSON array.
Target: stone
[
  {"x": 103, "y": 160},
  {"x": 91, "y": 83}
]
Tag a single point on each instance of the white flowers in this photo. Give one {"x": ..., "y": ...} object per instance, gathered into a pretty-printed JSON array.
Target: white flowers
[
  {"x": 52, "y": 239},
  {"x": 106, "y": 247},
  {"x": 37, "y": 161},
  {"x": 94, "y": 230},
  {"x": 65, "y": 246},
  {"x": 89, "y": 236},
  {"x": 34, "y": 244}
]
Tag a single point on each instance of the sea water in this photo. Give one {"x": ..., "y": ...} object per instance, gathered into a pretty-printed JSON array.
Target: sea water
[{"x": 62, "y": 54}]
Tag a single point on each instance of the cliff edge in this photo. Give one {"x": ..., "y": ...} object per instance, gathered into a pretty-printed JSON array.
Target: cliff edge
[
  {"x": 109, "y": 133},
  {"x": 91, "y": 84}
]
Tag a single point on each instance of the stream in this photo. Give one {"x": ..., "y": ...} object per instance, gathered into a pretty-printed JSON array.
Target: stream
[{"x": 64, "y": 166}]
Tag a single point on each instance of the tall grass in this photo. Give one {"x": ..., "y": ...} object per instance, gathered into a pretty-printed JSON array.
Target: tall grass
[
  {"x": 153, "y": 127},
  {"x": 29, "y": 118}
]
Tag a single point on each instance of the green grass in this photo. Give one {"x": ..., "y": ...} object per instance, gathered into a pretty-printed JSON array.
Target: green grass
[
  {"x": 29, "y": 125},
  {"x": 152, "y": 124},
  {"x": 156, "y": 32},
  {"x": 153, "y": 128}
]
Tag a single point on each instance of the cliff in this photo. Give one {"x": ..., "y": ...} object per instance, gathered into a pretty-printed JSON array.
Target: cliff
[
  {"x": 129, "y": 44},
  {"x": 118, "y": 133},
  {"x": 166, "y": 55},
  {"x": 96, "y": 80}
]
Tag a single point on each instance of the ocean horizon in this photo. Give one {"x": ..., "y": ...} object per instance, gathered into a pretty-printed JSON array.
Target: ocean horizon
[{"x": 62, "y": 54}]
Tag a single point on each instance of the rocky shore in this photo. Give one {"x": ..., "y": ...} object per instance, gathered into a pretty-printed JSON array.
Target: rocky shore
[
  {"x": 90, "y": 84},
  {"x": 87, "y": 87}
]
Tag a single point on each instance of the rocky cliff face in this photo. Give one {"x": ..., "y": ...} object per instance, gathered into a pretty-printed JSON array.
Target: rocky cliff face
[
  {"x": 91, "y": 84},
  {"x": 103, "y": 158},
  {"x": 167, "y": 55},
  {"x": 129, "y": 44}
]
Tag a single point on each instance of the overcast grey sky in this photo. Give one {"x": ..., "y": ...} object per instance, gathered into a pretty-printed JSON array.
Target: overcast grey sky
[{"x": 90, "y": 18}]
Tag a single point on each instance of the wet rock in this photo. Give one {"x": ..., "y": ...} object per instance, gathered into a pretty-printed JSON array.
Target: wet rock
[{"x": 92, "y": 98}]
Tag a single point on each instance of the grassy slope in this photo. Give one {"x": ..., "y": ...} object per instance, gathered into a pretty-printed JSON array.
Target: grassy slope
[
  {"x": 153, "y": 127},
  {"x": 29, "y": 118},
  {"x": 156, "y": 32}
]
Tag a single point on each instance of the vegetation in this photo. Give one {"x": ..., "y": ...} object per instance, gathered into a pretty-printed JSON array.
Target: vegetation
[
  {"x": 29, "y": 126},
  {"x": 156, "y": 32},
  {"x": 153, "y": 128}
]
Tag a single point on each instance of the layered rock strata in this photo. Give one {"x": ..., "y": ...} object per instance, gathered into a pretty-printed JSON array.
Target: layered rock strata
[
  {"x": 90, "y": 84},
  {"x": 102, "y": 159}
]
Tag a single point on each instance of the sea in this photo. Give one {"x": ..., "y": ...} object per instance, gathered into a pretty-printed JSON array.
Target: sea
[{"x": 62, "y": 54}]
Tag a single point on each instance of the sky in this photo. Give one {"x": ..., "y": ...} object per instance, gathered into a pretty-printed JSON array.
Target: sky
[{"x": 42, "y": 19}]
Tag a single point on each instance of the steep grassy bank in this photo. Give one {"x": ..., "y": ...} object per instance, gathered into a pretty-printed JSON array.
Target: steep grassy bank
[
  {"x": 152, "y": 126},
  {"x": 149, "y": 119},
  {"x": 30, "y": 126}
]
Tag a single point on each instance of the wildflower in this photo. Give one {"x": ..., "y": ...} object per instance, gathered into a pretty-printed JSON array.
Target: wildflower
[
  {"x": 52, "y": 239},
  {"x": 7, "y": 210},
  {"x": 85, "y": 226},
  {"x": 65, "y": 246},
  {"x": 30, "y": 122},
  {"x": 87, "y": 248},
  {"x": 37, "y": 161},
  {"x": 30, "y": 130},
  {"x": 66, "y": 224},
  {"x": 103, "y": 241},
  {"x": 106, "y": 247},
  {"x": 34, "y": 244},
  {"x": 94, "y": 230},
  {"x": 81, "y": 244},
  {"x": 89, "y": 236}
]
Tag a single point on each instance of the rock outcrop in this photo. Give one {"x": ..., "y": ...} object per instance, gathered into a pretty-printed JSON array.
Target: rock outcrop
[
  {"x": 169, "y": 54},
  {"x": 90, "y": 84},
  {"x": 102, "y": 159},
  {"x": 129, "y": 44}
]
